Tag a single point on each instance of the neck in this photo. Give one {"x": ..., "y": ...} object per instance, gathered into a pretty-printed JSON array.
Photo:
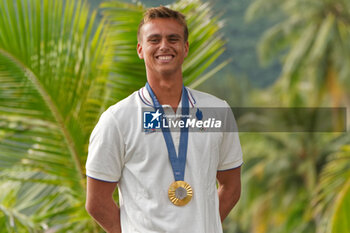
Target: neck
[{"x": 168, "y": 91}]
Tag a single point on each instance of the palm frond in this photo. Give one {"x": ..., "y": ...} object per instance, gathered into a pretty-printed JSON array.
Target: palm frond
[
  {"x": 312, "y": 39},
  {"x": 330, "y": 203},
  {"x": 52, "y": 76}
]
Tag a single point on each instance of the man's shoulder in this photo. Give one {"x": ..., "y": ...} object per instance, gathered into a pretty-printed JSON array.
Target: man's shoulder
[{"x": 203, "y": 99}]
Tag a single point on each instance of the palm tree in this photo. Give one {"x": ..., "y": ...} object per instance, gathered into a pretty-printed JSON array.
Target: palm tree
[
  {"x": 299, "y": 182},
  {"x": 292, "y": 181},
  {"x": 59, "y": 69},
  {"x": 312, "y": 38},
  {"x": 282, "y": 190}
]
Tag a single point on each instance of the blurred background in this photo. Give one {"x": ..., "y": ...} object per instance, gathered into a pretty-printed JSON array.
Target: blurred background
[{"x": 63, "y": 62}]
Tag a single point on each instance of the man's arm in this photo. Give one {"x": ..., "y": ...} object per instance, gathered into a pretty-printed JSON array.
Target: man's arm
[
  {"x": 101, "y": 206},
  {"x": 229, "y": 190}
]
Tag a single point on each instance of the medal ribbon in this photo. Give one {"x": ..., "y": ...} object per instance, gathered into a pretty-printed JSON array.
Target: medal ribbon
[{"x": 178, "y": 163}]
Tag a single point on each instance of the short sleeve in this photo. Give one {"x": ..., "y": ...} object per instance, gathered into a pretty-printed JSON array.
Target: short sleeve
[
  {"x": 106, "y": 150},
  {"x": 230, "y": 149}
]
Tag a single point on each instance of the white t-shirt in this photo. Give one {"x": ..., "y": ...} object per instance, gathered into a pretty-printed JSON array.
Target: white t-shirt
[{"x": 120, "y": 151}]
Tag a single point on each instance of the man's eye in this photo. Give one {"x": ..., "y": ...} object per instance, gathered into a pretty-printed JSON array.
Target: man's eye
[
  {"x": 154, "y": 40},
  {"x": 174, "y": 39}
]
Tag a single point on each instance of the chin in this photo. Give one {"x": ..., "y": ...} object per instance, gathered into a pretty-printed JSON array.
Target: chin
[{"x": 167, "y": 72}]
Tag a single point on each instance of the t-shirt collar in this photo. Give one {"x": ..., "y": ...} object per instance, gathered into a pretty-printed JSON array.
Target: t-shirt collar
[{"x": 146, "y": 98}]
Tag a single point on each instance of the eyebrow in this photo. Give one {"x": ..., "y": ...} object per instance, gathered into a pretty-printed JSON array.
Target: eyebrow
[
  {"x": 153, "y": 35},
  {"x": 168, "y": 36},
  {"x": 174, "y": 36}
]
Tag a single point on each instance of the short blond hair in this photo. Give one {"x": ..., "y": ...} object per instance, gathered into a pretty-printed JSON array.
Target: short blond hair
[{"x": 163, "y": 12}]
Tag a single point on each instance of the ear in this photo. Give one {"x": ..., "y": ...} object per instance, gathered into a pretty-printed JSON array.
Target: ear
[
  {"x": 139, "y": 50},
  {"x": 187, "y": 46}
]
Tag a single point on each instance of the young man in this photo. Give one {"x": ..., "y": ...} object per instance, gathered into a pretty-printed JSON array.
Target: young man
[{"x": 166, "y": 180}]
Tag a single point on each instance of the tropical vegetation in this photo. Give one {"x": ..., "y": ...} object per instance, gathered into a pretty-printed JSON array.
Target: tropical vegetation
[
  {"x": 299, "y": 182},
  {"x": 62, "y": 64},
  {"x": 60, "y": 68}
]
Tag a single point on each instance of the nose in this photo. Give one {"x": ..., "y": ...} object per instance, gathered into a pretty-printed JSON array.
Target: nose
[{"x": 164, "y": 46}]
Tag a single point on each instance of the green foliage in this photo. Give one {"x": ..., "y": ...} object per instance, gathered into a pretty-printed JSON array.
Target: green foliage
[
  {"x": 299, "y": 182},
  {"x": 339, "y": 222},
  {"x": 49, "y": 101},
  {"x": 292, "y": 182},
  {"x": 312, "y": 40},
  {"x": 331, "y": 201},
  {"x": 59, "y": 69}
]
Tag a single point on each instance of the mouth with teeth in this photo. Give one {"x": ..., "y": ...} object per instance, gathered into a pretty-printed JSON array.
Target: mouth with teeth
[{"x": 164, "y": 58}]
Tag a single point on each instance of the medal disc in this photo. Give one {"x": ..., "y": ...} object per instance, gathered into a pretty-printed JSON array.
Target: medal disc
[{"x": 180, "y": 193}]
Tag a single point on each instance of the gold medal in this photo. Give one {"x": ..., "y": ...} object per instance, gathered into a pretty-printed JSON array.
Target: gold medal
[{"x": 180, "y": 193}]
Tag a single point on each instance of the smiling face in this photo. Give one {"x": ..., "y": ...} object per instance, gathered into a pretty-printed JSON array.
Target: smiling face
[{"x": 163, "y": 47}]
